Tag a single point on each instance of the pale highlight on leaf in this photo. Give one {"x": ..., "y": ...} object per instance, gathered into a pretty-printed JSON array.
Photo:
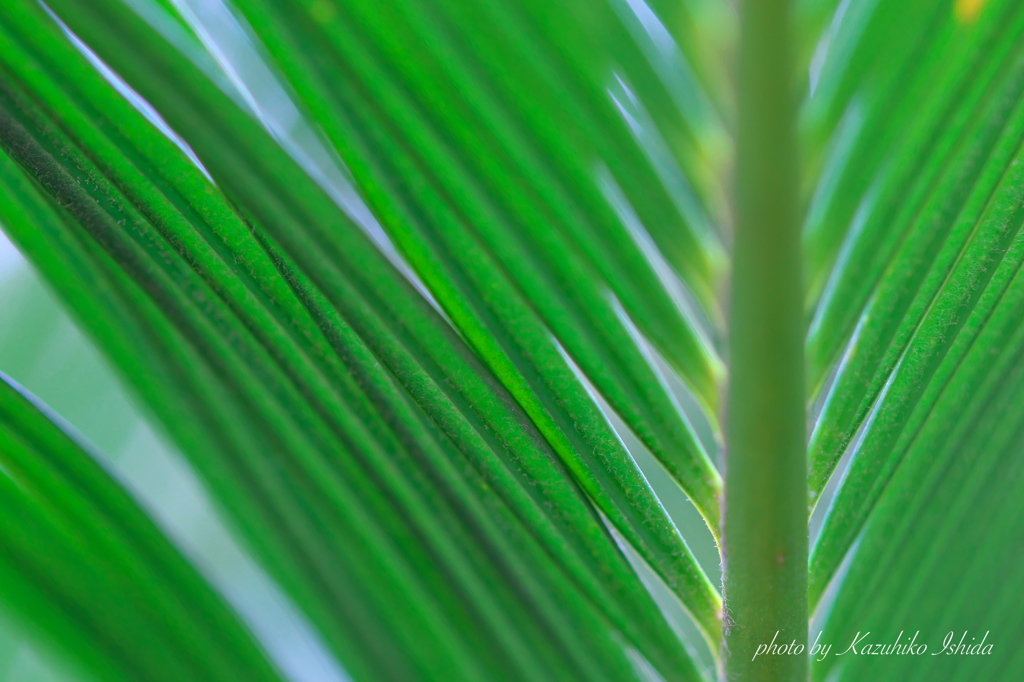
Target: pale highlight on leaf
[{"x": 968, "y": 10}]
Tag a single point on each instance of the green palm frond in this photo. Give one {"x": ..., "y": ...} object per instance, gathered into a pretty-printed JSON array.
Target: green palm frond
[{"x": 411, "y": 284}]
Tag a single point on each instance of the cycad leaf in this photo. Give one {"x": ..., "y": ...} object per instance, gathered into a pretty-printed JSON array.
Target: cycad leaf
[
  {"x": 939, "y": 552},
  {"x": 351, "y": 434},
  {"x": 927, "y": 210},
  {"x": 934, "y": 208},
  {"x": 84, "y": 564},
  {"x": 479, "y": 229},
  {"x": 538, "y": 377}
]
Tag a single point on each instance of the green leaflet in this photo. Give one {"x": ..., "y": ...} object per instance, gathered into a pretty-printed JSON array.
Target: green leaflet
[
  {"x": 86, "y": 566},
  {"x": 238, "y": 340},
  {"x": 950, "y": 343},
  {"x": 438, "y": 489},
  {"x": 919, "y": 210},
  {"x": 940, "y": 550},
  {"x": 930, "y": 258},
  {"x": 703, "y": 29},
  {"x": 867, "y": 133},
  {"x": 575, "y": 427},
  {"x": 541, "y": 61},
  {"x": 462, "y": 235},
  {"x": 928, "y": 236},
  {"x": 279, "y": 542}
]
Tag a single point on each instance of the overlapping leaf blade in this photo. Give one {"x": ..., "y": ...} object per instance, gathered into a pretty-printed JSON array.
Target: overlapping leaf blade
[
  {"x": 483, "y": 236},
  {"x": 940, "y": 551},
  {"x": 887, "y": 150},
  {"x": 461, "y": 461},
  {"x": 272, "y": 346},
  {"x": 562, "y": 410},
  {"x": 84, "y": 564},
  {"x": 915, "y": 250},
  {"x": 908, "y": 238}
]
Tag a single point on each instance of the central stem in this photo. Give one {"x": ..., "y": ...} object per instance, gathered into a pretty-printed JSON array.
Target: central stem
[{"x": 765, "y": 522}]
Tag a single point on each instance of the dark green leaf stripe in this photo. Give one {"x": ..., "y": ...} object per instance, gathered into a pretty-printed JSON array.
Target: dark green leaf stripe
[{"x": 85, "y": 564}]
